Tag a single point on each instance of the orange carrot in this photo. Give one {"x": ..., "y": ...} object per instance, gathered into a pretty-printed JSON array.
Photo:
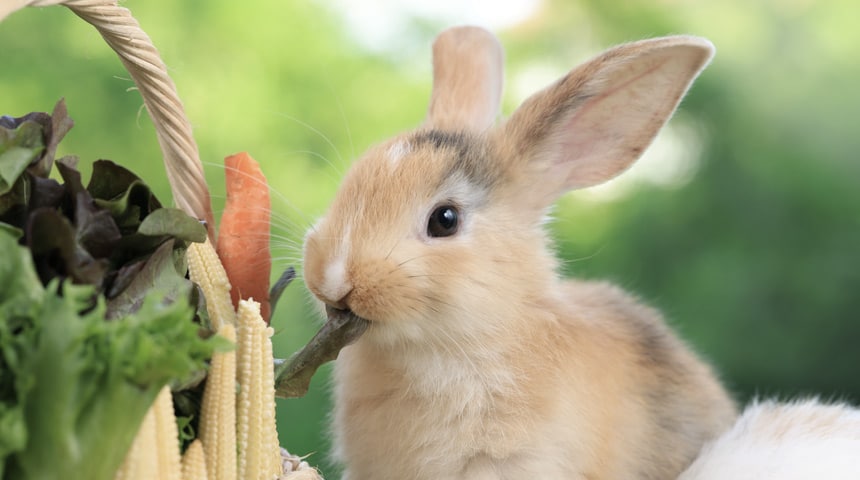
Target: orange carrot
[{"x": 243, "y": 239}]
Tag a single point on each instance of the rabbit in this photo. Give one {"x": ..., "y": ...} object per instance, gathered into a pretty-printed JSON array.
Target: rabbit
[
  {"x": 479, "y": 361},
  {"x": 800, "y": 440}
]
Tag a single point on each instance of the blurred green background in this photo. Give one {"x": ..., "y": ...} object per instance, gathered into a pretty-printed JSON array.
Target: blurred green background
[{"x": 742, "y": 222}]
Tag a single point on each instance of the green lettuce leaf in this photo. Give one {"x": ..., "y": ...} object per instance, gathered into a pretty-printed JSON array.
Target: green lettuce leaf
[
  {"x": 30, "y": 142},
  {"x": 18, "y": 148},
  {"x": 75, "y": 387}
]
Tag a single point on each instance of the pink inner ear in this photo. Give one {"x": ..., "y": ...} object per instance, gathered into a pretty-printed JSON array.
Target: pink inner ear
[
  {"x": 488, "y": 96},
  {"x": 587, "y": 147},
  {"x": 576, "y": 154},
  {"x": 602, "y": 137}
]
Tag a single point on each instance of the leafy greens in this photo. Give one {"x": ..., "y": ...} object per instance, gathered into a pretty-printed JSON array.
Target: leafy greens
[{"x": 96, "y": 314}]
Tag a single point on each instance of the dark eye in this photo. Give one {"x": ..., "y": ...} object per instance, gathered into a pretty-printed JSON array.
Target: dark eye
[{"x": 444, "y": 221}]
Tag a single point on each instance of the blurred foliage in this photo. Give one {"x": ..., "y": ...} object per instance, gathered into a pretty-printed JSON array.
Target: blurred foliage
[{"x": 753, "y": 255}]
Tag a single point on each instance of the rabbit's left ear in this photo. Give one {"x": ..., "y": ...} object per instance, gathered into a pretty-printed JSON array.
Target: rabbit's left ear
[
  {"x": 597, "y": 120},
  {"x": 467, "y": 80}
]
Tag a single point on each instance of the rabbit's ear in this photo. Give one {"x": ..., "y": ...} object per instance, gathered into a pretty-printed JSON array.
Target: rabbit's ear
[
  {"x": 595, "y": 122},
  {"x": 467, "y": 80}
]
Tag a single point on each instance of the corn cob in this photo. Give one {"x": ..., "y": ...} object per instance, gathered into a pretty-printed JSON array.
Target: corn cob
[
  {"x": 155, "y": 450},
  {"x": 141, "y": 461},
  {"x": 205, "y": 269},
  {"x": 257, "y": 435},
  {"x": 259, "y": 454},
  {"x": 218, "y": 415},
  {"x": 166, "y": 436},
  {"x": 194, "y": 462}
]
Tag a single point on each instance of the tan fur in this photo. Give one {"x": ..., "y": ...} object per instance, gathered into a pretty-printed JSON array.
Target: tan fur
[
  {"x": 480, "y": 363},
  {"x": 467, "y": 79}
]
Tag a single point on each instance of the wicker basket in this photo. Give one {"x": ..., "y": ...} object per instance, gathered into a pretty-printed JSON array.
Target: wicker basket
[{"x": 181, "y": 157}]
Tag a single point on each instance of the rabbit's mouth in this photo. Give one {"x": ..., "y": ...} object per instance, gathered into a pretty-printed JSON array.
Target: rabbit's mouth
[
  {"x": 342, "y": 328},
  {"x": 346, "y": 322}
]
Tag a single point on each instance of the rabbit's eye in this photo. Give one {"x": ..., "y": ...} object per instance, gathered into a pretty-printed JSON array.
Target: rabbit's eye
[{"x": 444, "y": 221}]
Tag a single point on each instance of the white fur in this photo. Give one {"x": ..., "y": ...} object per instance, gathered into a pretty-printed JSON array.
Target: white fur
[
  {"x": 397, "y": 151},
  {"x": 336, "y": 284},
  {"x": 801, "y": 440}
]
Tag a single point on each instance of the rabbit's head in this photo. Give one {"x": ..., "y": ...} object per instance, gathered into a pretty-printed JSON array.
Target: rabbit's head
[{"x": 440, "y": 229}]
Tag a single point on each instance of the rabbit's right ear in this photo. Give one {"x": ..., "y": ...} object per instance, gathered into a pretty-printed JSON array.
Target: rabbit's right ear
[
  {"x": 467, "y": 80},
  {"x": 597, "y": 120}
]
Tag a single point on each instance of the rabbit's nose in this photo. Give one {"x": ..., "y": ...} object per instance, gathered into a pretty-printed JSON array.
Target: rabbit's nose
[
  {"x": 336, "y": 298},
  {"x": 339, "y": 304}
]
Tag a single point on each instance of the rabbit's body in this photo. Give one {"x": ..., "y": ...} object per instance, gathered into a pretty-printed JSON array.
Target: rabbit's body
[
  {"x": 589, "y": 390},
  {"x": 480, "y": 362}
]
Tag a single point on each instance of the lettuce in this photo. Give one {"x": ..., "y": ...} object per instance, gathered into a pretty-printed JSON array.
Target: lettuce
[
  {"x": 96, "y": 312},
  {"x": 75, "y": 387}
]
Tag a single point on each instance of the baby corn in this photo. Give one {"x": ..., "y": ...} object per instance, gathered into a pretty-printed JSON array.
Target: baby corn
[
  {"x": 154, "y": 454},
  {"x": 141, "y": 459},
  {"x": 218, "y": 414},
  {"x": 227, "y": 419},
  {"x": 205, "y": 269},
  {"x": 166, "y": 436},
  {"x": 194, "y": 462},
  {"x": 259, "y": 450}
]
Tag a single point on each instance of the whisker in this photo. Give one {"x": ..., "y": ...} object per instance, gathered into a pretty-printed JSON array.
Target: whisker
[
  {"x": 568, "y": 261},
  {"x": 392, "y": 250},
  {"x": 272, "y": 192},
  {"x": 433, "y": 275},
  {"x": 404, "y": 262},
  {"x": 342, "y": 112},
  {"x": 324, "y": 137},
  {"x": 334, "y": 179},
  {"x": 286, "y": 238}
]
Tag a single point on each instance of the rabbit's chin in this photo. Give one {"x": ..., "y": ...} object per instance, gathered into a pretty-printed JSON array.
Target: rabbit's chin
[
  {"x": 395, "y": 330},
  {"x": 439, "y": 330}
]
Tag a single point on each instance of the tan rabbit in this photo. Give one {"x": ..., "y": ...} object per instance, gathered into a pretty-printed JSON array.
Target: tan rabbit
[{"x": 480, "y": 362}]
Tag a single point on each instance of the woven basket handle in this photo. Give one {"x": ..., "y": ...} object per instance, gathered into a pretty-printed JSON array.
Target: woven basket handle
[{"x": 140, "y": 57}]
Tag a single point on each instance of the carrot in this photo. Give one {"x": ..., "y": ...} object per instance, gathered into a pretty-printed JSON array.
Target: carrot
[{"x": 243, "y": 239}]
